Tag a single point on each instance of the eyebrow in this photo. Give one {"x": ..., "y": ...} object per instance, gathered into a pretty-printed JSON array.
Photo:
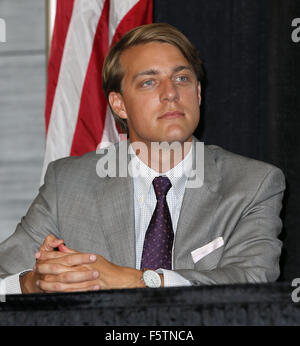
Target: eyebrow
[
  {"x": 153, "y": 72},
  {"x": 182, "y": 67}
]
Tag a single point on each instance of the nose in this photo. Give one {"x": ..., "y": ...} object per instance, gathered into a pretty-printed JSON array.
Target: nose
[{"x": 169, "y": 91}]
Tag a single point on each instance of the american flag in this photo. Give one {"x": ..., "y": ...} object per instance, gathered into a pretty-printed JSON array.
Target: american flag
[{"x": 77, "y": 116}]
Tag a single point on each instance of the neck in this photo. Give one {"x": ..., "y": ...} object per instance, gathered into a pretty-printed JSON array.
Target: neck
[{"x": 163, "y": 156}]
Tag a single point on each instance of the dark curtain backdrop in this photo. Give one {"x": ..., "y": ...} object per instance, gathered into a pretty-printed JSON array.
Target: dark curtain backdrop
[{"x": 250, "y": 97}]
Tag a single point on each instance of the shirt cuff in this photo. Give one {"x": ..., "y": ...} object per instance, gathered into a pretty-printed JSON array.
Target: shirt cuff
[
  {"x": 12, "y": 283},
  {"x": 172, "y": 279}
]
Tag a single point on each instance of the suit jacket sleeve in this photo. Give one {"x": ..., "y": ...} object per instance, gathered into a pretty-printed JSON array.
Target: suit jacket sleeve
[
  {"x": 17, "y": 252},
  {"x": 251, "y": 252}
]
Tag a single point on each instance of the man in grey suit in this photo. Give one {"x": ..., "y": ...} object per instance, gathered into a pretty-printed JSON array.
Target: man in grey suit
[{"x": 118, "y": 229}]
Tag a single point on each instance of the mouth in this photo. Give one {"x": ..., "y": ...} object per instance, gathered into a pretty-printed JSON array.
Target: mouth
[{"x": 172, "y": 115}]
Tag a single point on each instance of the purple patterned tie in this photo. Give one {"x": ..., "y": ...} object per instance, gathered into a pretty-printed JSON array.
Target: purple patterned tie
[{"x": 158, "y": 243}]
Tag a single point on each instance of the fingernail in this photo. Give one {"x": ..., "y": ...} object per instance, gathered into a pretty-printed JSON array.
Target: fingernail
[
  {"x": 97, "y": 287},
  {"x": 37, "y": 255},
  {"x": 93, "y": 258},
  {"x": 38, "y": 283},
  {"x": 95, "y": 274}
]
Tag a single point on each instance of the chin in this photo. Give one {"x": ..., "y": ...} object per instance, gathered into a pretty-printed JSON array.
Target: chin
[{"x": 178, "y": 135}]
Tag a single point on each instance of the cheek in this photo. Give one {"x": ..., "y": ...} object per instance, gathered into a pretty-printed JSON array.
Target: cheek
[
  {"x": 138, "y": 116},
  {"x": 143, "y": 109},
  {"x": 192, "y": 107},
  {"x": 192, "y": 101},
  {"x": 140, "y": 102}
]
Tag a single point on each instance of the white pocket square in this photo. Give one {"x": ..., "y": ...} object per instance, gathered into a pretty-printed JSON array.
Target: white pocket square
[{"x": 203, "y": 251}]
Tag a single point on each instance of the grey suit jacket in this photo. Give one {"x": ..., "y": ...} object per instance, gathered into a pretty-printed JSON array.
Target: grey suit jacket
[{"x": 239, "y": 201}]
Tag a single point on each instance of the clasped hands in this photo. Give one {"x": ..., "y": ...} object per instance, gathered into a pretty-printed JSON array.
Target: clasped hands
[{"x": 68, "y": 270}]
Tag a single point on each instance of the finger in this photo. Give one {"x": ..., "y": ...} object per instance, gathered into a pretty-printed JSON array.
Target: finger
[
  {"x": 65, "y": 249},
  {"x": 63, "y": 287},
  {"x": 78, "y": 259},
  {"x": 47, "y": 255},
  {"x": 72, "y": 277},
  {"x": 49, "y": 244},
  {"x": 63, "y": 264},
  {"x": 50, "y": 268}
]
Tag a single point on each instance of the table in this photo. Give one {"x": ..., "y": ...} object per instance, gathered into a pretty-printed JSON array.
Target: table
[{"x": 261, "y": 304}]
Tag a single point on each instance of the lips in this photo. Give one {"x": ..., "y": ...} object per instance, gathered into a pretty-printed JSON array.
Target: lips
[{"x": 172, "y": 115}]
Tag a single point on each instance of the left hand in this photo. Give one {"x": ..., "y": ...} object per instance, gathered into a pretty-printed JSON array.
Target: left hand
[{"x": 110, "y": 275}]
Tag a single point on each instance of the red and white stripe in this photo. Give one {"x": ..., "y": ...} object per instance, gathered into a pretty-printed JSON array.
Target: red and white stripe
[{"x": 77, "y": 116}]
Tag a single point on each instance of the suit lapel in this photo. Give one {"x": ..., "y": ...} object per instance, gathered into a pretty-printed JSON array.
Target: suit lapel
[
  {"x": 116, "y": 213},
  {"x": 197, "y": 212}
]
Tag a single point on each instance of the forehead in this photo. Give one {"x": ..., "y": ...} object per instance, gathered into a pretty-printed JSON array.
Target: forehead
[{"x": 158, "y": 55}]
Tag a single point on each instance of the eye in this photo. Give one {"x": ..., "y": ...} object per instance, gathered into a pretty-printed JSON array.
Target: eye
[
  {"x": 182, "y": 79},
  {"x": 147, "y": 83}
]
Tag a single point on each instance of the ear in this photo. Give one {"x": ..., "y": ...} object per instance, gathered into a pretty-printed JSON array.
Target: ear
[
  {"x": 199, "y": 92},
  {"x": 117, "y": 104}
]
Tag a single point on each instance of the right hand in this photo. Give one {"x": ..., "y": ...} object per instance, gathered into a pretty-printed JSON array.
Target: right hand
[
  {"x": 28, "y": 281},
  {"x": 55, "y": 266}
]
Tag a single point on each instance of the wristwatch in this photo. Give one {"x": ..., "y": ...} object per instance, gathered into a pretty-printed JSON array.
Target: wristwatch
[{"x": 151, "y": 278}]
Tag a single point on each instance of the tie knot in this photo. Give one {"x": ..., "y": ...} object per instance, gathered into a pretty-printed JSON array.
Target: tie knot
[{"x": 161, "y": 186}]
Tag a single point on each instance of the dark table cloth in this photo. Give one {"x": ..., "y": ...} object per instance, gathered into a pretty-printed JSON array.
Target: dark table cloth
[{"x": 264, "y": 304}]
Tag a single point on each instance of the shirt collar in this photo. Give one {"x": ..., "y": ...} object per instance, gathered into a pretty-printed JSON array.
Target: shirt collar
[{"x": 143, "y": 175}]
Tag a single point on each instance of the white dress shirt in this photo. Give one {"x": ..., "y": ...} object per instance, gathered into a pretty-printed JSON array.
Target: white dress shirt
[{"x": 144, "y": 205}]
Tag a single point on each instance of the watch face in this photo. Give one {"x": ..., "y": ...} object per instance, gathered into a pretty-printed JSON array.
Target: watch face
[{"x": 151, "y": 279}]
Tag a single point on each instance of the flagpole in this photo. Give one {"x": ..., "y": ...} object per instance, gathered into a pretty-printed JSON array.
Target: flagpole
[
  {"x": 50, "y": 18},
  {"x": 51, "y": 9}
]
